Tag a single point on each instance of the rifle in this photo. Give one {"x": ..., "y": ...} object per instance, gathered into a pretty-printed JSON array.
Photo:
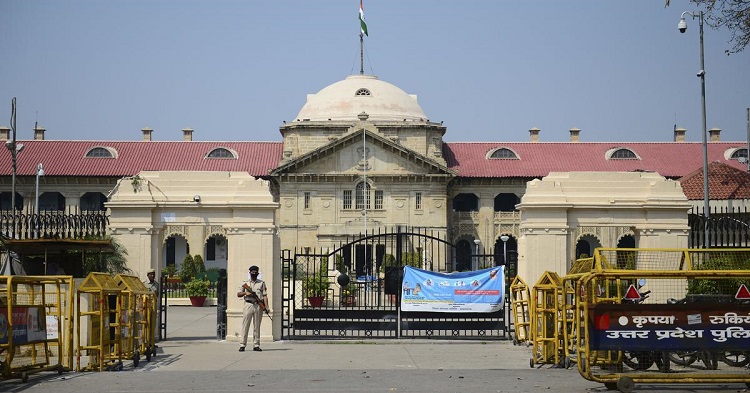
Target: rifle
[{"x": 255, "y": 296}]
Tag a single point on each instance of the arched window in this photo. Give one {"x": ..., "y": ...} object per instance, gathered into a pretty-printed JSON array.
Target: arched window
[
  {"x": 362, "y": 198},
  {"x": 739, "y": 153},
  {"x": 362, "y": 92},
  {"x": 6, "y": 199},
  {"x": 221, "y": 152},
  {"x": 51, "y": 201},
  {"x": 93, "y": 201},
  {"x": 504, "y": 153},
  {"x": 465, "y": 203},
  {"x": 100, "y": 152},
  {"x": 506, "y": 202},
  {"x": 623, "y": 154}
]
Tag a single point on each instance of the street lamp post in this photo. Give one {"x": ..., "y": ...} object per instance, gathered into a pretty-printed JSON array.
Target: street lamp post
[
  {"x": 476, "y": 253},
  {"x": 39, "y": 172},
  {"x": 14, "y": 148},
  {"x": 505, "y": 238},
  {"x": 682, "y": 27}
]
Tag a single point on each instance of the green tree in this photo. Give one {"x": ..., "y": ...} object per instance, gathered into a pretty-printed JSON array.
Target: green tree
[
  {"x": 113, "y": 262},
  {"x": 318, "y": 283},
  {"x": 200, "y": 267},
  {"x": 723, "y": 286},
  {"x": 734, "y": 15},
  {"x": 188, "y": 270}
]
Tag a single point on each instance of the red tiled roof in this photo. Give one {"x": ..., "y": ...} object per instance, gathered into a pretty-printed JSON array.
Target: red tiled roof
[
  {"x": 67, "y": 158},
  {"x": 724, "y": 182},
  {"x": 537, "y": 159}
]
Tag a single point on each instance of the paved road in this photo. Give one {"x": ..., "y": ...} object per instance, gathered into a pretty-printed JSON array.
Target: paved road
[{"x": 193, "y": 360}]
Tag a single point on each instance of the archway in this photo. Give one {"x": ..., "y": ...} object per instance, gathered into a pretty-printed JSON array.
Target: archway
[
  {"x": 216, "y": 252},
  {"x": 93, "y": 201},
  {"x": 51, "y": 201},
  {"x": 6, "y": 200},
  {"x": 176, "y": 247},
  {"x": 463, "y": 255},
  {"x": 506, "y": 202},
  {"x": 586, "y": 245},
  {"x": 626, "y": 259},
  {"x": 627, "y": 241},
  {"x": 465, "y": 203}
]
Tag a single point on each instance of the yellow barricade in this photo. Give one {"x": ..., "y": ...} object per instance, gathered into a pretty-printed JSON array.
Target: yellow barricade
[
  {"x": 520, "y": 308},
  {"x": 546, "y": 321},
  {"x": 99, "y": 302},
  {"x": 571, "y": 314},
  {"x": 35, "y": 325},
  {"x": 134, "y": 325},
  {"x": 664, "y": 316}
]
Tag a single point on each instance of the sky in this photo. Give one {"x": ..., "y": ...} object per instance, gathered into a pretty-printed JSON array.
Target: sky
[{"x": 619, "y": 70}]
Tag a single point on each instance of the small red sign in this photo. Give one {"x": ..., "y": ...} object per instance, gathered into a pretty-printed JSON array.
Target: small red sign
[
  {"x": 602, "y": 323},
  {"x": 632, "y": 293},
  {"x": 742, "y": 293}
]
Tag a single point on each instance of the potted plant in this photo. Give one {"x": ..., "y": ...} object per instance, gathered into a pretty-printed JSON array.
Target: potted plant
[
  {"x": 197, "y": 290},
  {"x": 349, "y": 295},
  {"x": 315, "y": 286},
  {"x": 170, "y": 276}
]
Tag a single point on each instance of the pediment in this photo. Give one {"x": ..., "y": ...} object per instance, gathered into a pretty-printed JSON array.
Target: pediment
[{"x": 351, "y": 156}]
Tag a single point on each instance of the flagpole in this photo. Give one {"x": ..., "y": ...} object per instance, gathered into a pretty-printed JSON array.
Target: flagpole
[
  {"x": 362, "y": 33},
  {"x": 365, "y": 188},
  {"x": 361, "y": 54}
]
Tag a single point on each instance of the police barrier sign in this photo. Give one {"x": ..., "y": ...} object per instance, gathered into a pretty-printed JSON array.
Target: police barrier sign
[
  {"x": 28, "y": 325},
  {"x": 475, "y": 291},
  {"x": 659, "y": 327}
]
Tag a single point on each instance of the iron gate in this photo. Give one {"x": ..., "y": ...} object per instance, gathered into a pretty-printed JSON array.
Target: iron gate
[
  {"x": 726, "y": 228},
  {"x": 353, "y": 291}
]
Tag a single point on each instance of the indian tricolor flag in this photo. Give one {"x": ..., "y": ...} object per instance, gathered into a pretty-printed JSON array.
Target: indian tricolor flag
[{"x": 362, "y": 23}]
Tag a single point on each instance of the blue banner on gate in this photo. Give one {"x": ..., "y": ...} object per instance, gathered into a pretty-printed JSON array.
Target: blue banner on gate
[{"x": 476, "y": 291}]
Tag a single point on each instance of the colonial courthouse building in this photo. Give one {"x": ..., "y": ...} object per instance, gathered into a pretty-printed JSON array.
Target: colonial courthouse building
[{"x": 362, "y": 155}]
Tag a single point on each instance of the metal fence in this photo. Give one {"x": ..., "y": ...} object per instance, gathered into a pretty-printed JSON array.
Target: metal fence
[
  {"x": 53, "y": 224},
  {"x": 353, "y": 290},
  {"x": 726, "y": 228}
]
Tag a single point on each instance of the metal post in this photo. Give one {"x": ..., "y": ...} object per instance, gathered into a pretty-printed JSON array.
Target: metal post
[
  {"x": 748, "y": 140},
  {"x": 365, "y": 188},
  {"x": 702, "y": 74},
  {"x": 39, "y": 172},
  {"x": 476, "y": 255},
  {"x": 505, "y": 238},
  {"x": 13, "y": 153},
  {"x": 361, "y": 54},
  {"x": 682, "y": 26}
]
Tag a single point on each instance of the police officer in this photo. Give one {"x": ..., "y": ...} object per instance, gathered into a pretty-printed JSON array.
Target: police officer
[
  {"x": 151, "y": 282},
  {"x": 252, "y": 292},
  {"x": 153, "y": 286}
]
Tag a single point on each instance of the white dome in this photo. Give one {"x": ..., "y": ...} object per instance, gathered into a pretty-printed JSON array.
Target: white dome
[{"x": 345, "y": 99}]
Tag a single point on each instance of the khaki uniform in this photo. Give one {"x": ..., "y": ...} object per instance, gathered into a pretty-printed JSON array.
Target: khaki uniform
[
  {"x": 155, "y": 315},
  {"x": 251, "y": 312}
]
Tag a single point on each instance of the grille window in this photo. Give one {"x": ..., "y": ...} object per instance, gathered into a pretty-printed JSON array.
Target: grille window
[
  {"x": 221, "y": 153},
  {"x": 378, "y": 199},
  {"x": 623, "y": 154},
  {"x": 99, "y": 152},
  {"x": 347, "y": 199},
  {"x": 505, "y": 154}
]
